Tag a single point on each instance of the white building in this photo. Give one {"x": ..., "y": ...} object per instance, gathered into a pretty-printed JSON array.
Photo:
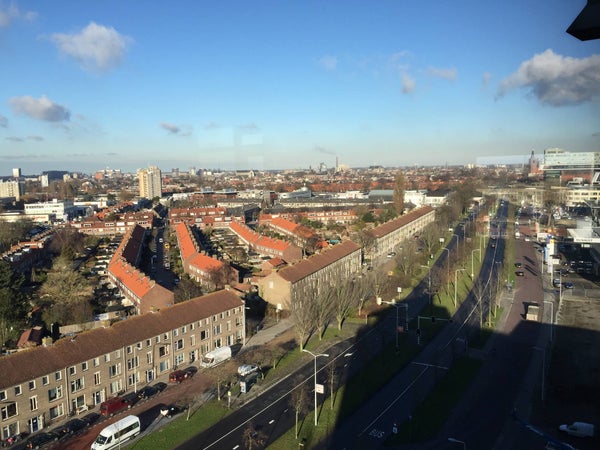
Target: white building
[
  {"x": 11, "y": 189},
  {"x": 60, "y": 209},
  {"x": 150, "y": 182}
]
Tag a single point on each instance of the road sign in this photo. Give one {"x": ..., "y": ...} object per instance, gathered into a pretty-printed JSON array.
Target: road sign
[
  {"x": 243, "y": 387},
  {"x": 319, "y": 388}
]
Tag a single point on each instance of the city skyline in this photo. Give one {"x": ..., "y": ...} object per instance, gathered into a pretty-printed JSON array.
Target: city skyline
[{"x": 269, "y": 85}]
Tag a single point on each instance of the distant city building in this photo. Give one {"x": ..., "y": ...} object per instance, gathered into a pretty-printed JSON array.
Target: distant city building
[
  {"x": 44, "y": 180},
  {"x": 150, "y": 182},
  {"x": 16, "y": 172},
  {"x": 44, "y": 211},
  {"x": 563, "y": 165},
  {"x": 11, "y": 189}
]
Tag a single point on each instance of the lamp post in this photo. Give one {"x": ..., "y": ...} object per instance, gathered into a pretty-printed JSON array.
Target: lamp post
[
  {"x": 455, "y": 283},
  {"x": 456, "y": 441},
  {"x": 448, "y": 268},
  {"x": 398, "y": 306},
  {"x": 551, "y": 319},
  {"x": 457, "y": 243},
  {"x": 315, "y": 356},
  {"x": 472, "y": 268},
  {"x": 429, "y": 283}
]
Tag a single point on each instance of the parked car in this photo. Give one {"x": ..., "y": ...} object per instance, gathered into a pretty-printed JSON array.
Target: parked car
[
  {"x": 520, "y": 273},
  {"x": 178, "y": 376},
  {"x": 171, "y": 410},
  {"x": 247, "y": 369},
  {"x": 72, "y": 427},
  {"x": 114, "y": 405},
  {"x": 90, "y": 418},
  {"x": 568, "y": 285},
  {"x": 518, "y": 265},
  {"x": 147, "y": 392},
  {"x": 191, "y": 371},
  {"x": 160, "y": 386},
  {"x": 40, "y": 439}
]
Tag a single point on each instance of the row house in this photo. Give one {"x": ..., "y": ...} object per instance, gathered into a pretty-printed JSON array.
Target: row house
[
  {"x": 275, "y": 248},
  {"x": 298, "y": 234},
  {"x": 200, "y": 267},
  {"x": 138, "y": 289},
  {"x": 193, "y": 216},
  {"x": 290, "y": 285},
  {"x": 392, "y": 233},
  {"x": 96, "y": 226},
  {"x": 325, "y": 216},
  {"x": 41, "y": 386}
]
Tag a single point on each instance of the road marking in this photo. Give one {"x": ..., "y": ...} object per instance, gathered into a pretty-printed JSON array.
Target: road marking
[
  {"x": 272, "y": 420},
  {"x": 377, "y": 433},
  {"x": 237, "y": 446}
]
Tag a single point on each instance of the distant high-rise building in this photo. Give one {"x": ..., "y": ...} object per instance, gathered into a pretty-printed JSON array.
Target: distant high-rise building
[
  {"x": 150, "y": 182},
  {"x": 11, "y": 189},
  {"x": 44, "y": 180},
  {"x": 17, "y": 172}
]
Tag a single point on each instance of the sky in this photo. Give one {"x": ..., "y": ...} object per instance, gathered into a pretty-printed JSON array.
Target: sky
[{"x": 125, "y": 84}]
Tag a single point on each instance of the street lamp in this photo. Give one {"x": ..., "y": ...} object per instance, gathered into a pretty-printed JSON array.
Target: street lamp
[
  {"x": 455, "y": 283},
  {"x": 315, "y": 356},
  {"x": 456, "y": 441},
  {"x": 429, "y": 283},
  {"x": 397, "y": 306},
  {"x": 472, "y": 268},
  {"x": 457, "y": 243}
]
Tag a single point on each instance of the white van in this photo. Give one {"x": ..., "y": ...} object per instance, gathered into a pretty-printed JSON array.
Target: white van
[
  {"x": 215, "y": 357},
  {"x": 113, "y": 436},
  {"x": 579, "y": 429}
]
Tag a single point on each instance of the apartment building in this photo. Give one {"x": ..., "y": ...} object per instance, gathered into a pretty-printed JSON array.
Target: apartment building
[
  {"x": 150, "y": 182},
  {"x": 264, "y": 245},
  {"x": 291, "y": 284},
  {"x": 11, "y": 189},
  {"x": 41, "y": 386},
  {"x": 392, "y": 233}
]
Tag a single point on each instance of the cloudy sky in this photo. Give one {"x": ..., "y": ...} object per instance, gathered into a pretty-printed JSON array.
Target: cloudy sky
[{"x": 272, "y": 84}]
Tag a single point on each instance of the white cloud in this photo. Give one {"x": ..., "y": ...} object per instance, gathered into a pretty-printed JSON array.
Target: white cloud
[
  {"x": 328, "y": 62},
  {"x": 487, "y": 76},
  {"x": 41, "y": 109},
  {"x": 95, "y": 48},
  {"x": 556, "y": 80},
  {"x": 3, "y": 121},
  {"x": 446, "y": 74},
  {"x": 408, "y": 84},
  {"x": 173, "y": 129},
  {"x": 12, "y": 12}
]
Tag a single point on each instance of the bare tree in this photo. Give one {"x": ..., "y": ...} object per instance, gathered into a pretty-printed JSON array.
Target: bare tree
[
  {"x": 331, "y": 374},
  {"x": 322, "y": 309},
  {"x": 299, "y": 400},
  {"x": 346, "y": 296},
  {"x": 253, "y": 437},
  {"x": 302, "y": 315},
  {"x": 222, "y": 374}
]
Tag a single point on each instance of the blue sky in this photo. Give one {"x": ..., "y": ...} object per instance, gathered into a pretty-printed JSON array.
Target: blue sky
[{"x": 290, "y": 84}]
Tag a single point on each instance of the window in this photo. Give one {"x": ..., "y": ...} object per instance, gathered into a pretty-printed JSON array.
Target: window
[
  {"x": 55, "y": 393},
  {"x": 138, "y": 345},
  {"x": 72, "y": 370},
  {"x": 193, "y": 340},
  {"x": 132, "y": 363},
  {"x": 57, "y": 411},
  {"x": 84, "y": 366},
  {"x": 179, "y": 358},
  {"x": 114, "y": 370},
  {"x": 228, "y": 325},
  {"x": 175, "y": 332},
  {"x": 107, "y": 357},
  {"x": 149, "y": 358},
  {"x": 76, "y": 385},
  {"x": 217, "y": 329},
  {"x": 31, "y": 385},
  {"x": 33, "y": 403},
  {"x": 2, "y": 395},
  {"x": 163, "y": 351},
  {"x": 192, "y": 326},
  {"x": 45, "y": 380},
  {"x": 179, "y": 344},
  {"x": 129, "y": 349},
  {"x": 8, "y": 410},
  {"x": 117, "y": 354},
  {"x": 148, "y": 342},
  {"x": 18, "y": 390},
  {"x": 157, "y": 339},
  {"x": 166, "y": 337},
  {"x": 203, "y": 335},
  {"x": 115, "y": 387},
  {"x": 183, "y": 329},
  {"x": 96, "y": 362},
  {"x": 133, "y": 379}
]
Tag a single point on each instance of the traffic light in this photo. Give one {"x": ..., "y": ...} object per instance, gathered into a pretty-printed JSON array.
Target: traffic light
[{"x": 432, "y": 319}]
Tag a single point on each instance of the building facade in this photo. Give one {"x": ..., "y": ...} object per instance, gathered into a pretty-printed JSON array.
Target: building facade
[
  {"x": 150, "y": 182},
  {"x": 41, "y": 386}
]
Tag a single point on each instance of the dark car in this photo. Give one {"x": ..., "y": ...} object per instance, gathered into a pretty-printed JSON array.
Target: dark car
[
  {"x": 131, "y": 398},
  {"x": 72, "y": 427},
  {"x": 171, "y": 410},
  {"x": 568, "y": 285},
  {"x": 41, "y": 439},
  {"x": 191, "y": 371},
  {"x": 147, "y": 392},
  {"x": 520, "y": 273},
  {"x": 160, "y": 386},
  {"x": 518, "y": 265},
  {"x": 90, "y": 418}
]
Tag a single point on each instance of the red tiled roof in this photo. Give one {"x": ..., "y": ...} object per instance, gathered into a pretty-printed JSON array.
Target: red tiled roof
[{"x": 30, "y": 364}]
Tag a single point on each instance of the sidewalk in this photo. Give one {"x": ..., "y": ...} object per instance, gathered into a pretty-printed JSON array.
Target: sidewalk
[{"x": 268, "y": 334}]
